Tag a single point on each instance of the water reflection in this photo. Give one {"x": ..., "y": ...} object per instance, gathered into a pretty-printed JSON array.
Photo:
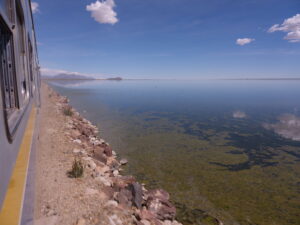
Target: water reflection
[{"x": 216, "y": 146}]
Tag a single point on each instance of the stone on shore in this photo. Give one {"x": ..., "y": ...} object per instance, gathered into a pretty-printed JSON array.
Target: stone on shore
[
  {"x": 124, "y": 197},
  {"x": 77, "y": 141},
  {"x": 99, "y": 155},
  {"x": 137, "y": 192},
  {"x": 104, "y": 181},
  {"x": 123, "y": 161},
  {"x": 158, "y": 203},
  {"x": 111, "y": 203}
]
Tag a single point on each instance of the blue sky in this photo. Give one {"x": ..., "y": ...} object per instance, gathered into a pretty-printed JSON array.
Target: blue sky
[{"x": 170, "y": 38}]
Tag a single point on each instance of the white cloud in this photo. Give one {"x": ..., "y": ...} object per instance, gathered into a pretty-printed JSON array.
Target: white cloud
[
  {"x": 244, "y": 41},
  {"x": 34, "y": 7},
  {"x": 239, "y": 115},
  {"x": 103, "y": 12},
  {"x": 291, "y": 26},
  {"x": 288, "y": 127}
]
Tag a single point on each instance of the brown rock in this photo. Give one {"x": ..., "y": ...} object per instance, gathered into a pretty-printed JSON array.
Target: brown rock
[
  {"x": 113, "y": 163},
  {"x": 108, "y": 151},
  {"x": 146, "y": 215},
  {"x": 75, "y": 133},
  {"x": 101, "y": 170},
  {"x": 108, "y": 191},
  {"x": 124, "y": 198},
  {"x": 124, "y": 181},
  {"x": 99, "y": 155},
  {"x": 162, "y": 209}
]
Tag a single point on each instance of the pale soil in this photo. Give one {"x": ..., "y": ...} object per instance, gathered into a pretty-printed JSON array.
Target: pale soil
[{"x": 58, "y": 198}]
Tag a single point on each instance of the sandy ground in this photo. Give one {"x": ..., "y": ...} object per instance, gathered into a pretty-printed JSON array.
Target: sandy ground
[{"x": 58, "y": 198}]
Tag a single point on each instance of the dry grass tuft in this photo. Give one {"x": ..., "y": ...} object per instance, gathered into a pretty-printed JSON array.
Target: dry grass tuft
[{"x": 77, "y": 169}]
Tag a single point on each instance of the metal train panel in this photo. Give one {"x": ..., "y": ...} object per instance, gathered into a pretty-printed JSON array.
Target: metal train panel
[{"x": 19, "y": 82}]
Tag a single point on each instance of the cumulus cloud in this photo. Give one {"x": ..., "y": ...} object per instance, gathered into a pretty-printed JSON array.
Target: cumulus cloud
[
  {"x": 34, "y": 7},
  {"x": 244, "y": 41},
  {"x": 239, "y": 115},
  {"x": 103, "y": 11},
  {"x": 287, "y": 127},
  {"x": 291, "y": 26}
]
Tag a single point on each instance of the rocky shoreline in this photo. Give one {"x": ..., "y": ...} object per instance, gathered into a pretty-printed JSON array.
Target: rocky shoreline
[{"x": 99, "y": 161}]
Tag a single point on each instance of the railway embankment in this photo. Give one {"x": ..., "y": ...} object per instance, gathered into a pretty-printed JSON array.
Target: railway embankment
[{"x": 78, "y": 175}]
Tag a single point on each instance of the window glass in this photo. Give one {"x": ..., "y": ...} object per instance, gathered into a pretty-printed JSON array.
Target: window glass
[{"x": 7, "y": 71}]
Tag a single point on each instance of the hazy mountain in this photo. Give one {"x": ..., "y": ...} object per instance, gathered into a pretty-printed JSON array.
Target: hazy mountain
[{"x": 64, "y": 76}]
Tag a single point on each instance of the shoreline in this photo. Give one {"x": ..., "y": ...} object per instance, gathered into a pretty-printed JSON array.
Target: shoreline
[{"x": 107, "y": 196}]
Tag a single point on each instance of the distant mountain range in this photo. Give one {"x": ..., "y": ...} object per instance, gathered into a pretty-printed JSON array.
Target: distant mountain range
[{"x": 64, "y": 76}]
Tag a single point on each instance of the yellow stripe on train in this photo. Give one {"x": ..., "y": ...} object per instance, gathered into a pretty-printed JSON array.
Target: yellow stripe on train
[{"x": 12, "y": 207}]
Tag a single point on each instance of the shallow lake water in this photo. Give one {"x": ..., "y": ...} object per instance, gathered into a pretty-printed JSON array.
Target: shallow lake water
[{"x": 224, "y": 149}]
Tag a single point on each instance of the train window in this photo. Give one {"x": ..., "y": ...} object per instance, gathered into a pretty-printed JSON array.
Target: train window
[
  {"x": 31, "y": 66},
  {"x": 7, "y": 71}
]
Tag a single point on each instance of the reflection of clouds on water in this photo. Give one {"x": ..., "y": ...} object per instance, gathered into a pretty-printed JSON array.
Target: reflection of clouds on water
[
  {"x": 70, "y": 83},
  {"x": 239, "y": 115},
  {"x": 288, "y": 127}
]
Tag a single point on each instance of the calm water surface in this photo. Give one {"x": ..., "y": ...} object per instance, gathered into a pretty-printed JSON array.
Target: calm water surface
[{"x": 212, "y": 144}]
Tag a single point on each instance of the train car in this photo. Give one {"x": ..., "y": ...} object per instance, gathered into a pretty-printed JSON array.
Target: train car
[{"x": 19, "y": 104}]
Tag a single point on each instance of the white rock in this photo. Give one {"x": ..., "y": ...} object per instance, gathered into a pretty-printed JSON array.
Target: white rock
[
  {"x": 123, "y": 161},
  {"x": 145, "y": 222},
  {"x": 83, "y": 152},
  {"x": 87, "y": 158},
  {"x": 69, "y": 126},
  {"x": 111, "y": 203},
  {"x": 92, "y": 139},
  {"x": 102, "y": 170},
  {"x": 77, "y": 141},
  {"x": 114, "y": 153},
  {"x": 92, "y": 164},
  {"x": 96, "y": 142},
  {"x": 104, "y": 181},
  {"x": 51, "y": 212},
  {"x": 175, "y": 223},
  {"x": 116, "y": 173},
  {"x": 76, "y": 151},
  {"x": 115, "y": 220}
]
